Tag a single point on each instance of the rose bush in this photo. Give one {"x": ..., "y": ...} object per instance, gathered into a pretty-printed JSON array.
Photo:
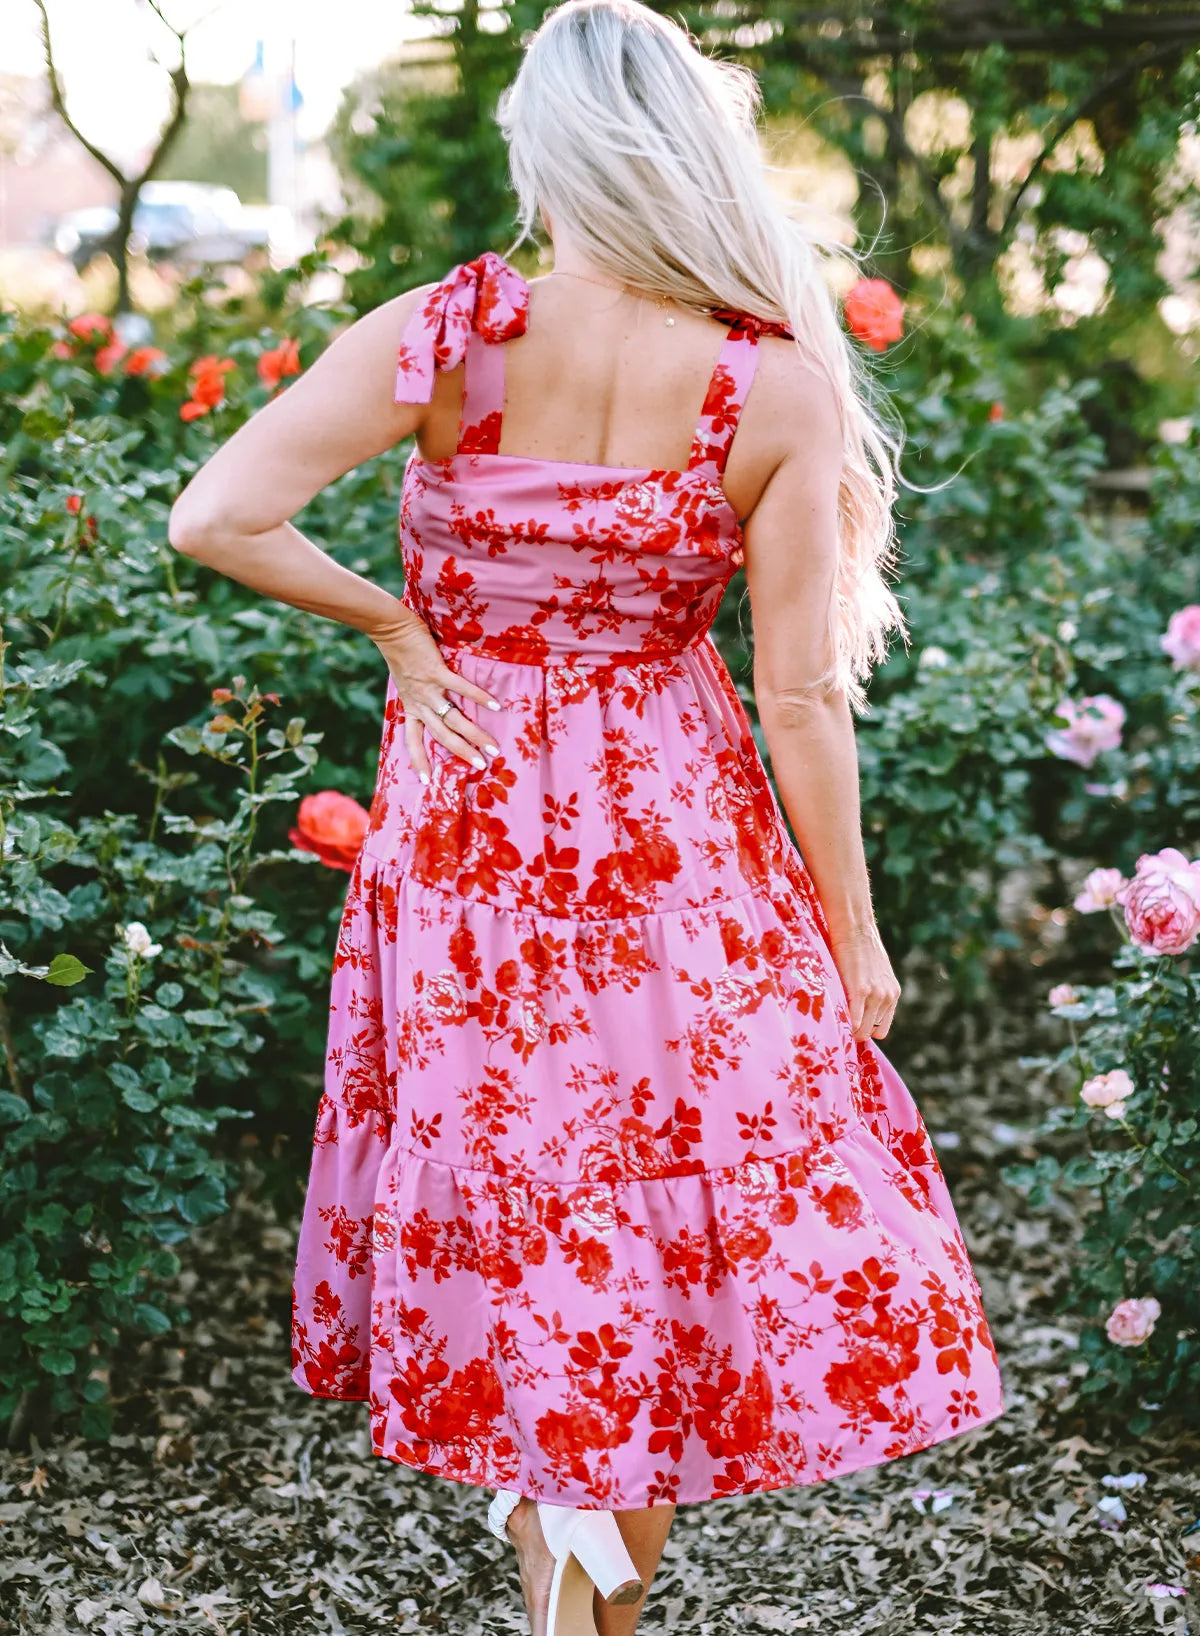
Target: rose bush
[
  {"x": 1134, "y": 1062},
  {"x": 1018, "y": 600}
]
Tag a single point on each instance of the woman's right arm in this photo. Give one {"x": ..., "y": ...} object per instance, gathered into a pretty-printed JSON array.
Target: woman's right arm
[
  {"x": 235, "y": 517},
  {"x": 790, "y": 543}
]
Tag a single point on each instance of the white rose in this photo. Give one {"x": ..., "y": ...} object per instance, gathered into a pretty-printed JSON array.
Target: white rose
[
  {"x": 638, "y": 503},
  {"x": 602, "y": 1154},
  {"x": 533, "y": 1021},
  {"x": 137, "y": 941},
  {"x": 734, "y": 994},
  {"x": 383, "y": 1230},
  {"x": 757, "y": 1181},
  {"x": 594, "y": 1208},
  {"x": 445, "y": 998}
]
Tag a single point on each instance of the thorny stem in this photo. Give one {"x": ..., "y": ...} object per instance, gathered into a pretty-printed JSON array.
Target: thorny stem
[
  {"x": 133, "y": 979},
  {"x": 66, "y": 595},
  {"x": 1165, "y": 1164},
  {"x": 237, "y": 871},
  {"x": 159, "y": 788},
  {"x": 10, "y": 1049}
]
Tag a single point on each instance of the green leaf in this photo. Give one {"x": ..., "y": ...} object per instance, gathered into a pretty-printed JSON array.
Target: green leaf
[
  {"x": 65, "y": 970},
  {"x": 152, "y": 1319},
  {"x": 182, "y": 1117},
  {"x": 140, "y": 1100},
  {"x": 96, "y": 1422},
  {"x": 56, "y": 1361},
  {"x": 207, "y": 1018},
  {"x": 204, "y": 644}
]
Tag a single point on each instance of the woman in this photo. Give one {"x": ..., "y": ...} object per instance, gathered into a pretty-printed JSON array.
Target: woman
[{"x": 615, "y": 1202}]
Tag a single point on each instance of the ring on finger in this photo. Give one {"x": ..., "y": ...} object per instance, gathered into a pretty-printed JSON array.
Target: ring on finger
[{"x": 443, "y": 709}]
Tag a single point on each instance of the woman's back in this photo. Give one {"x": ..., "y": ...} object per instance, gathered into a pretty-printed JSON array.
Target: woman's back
[{"x": 600, "y": 378}]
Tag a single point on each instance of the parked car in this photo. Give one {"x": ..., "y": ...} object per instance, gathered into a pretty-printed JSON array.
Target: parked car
[{"x": 186, "y": 223}]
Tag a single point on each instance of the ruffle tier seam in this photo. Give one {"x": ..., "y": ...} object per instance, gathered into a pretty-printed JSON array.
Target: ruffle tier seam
[
  {"x": 404, "y": 876},
  {"x": 859, "y": 1127}
]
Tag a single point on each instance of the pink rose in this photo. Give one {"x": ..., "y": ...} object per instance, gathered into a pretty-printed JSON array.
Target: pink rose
[
  {"x": 1162, "y": 902},
  {"x": 1092, "y": 725},
  {"x": 1182, "y": 640},
  {"x": 1062, "y": 994},
  {"x": 1099, "y": 890},
  {"x": 1131, "y": 1322},
  {"x": 1107, "y": 1090}
]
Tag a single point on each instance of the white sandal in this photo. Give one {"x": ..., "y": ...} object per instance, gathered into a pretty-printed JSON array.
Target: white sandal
[{"x": 588, "y": 1551}]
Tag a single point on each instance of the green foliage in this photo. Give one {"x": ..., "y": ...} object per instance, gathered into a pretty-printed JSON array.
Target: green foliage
[
  {"x": 1018, "y": 595},
  {"x": 1136, "y": 1184},
  {"x": 420, "y": 151},
  {"x": 125, "y": 807},
  {"x": 116, "y": 1068},
  {"x": 145, "y": 969},
  {"x": 929, "y": 103}
]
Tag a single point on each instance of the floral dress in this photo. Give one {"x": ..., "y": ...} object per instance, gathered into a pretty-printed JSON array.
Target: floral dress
[{"x": 606, "y": 1204}]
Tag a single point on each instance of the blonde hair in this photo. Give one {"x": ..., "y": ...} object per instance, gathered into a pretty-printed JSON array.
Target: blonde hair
[{"x": 647, "y": 152}]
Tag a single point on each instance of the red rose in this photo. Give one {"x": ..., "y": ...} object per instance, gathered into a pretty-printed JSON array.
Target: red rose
[
  {"x": 109, "y": 356},
  {"x": 145, "y": 361},
  {"x": 91, "y": 326},
  {"x": 874, "y": 313},
  {"x": 208, "y": 385},
  {"x": 333, "y": 826},
  {"x": 278, "y": 362}
]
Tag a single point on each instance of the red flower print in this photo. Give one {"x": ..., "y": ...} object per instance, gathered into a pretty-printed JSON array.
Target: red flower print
[{"x": 606, "y": 1205}]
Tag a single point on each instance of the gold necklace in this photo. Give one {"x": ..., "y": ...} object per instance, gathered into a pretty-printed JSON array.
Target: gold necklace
[{"x": 660, "y": 301}]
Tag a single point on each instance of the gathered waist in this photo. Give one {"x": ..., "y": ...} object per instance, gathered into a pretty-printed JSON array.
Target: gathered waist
[{"x": 544, "y": 657}]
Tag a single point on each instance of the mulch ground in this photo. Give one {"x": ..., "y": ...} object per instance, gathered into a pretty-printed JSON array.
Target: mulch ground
[{"x": 229, "y": 1501}]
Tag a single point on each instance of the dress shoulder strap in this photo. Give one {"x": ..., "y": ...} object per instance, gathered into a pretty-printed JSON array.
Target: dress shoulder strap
[
  {"x": 477, "y": 302},
  {"x": 729, "y": 388},
  {"x": 482, "y": 412}
]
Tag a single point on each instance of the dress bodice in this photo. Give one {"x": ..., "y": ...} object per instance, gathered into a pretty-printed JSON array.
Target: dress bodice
[{"x": 556, "y": 562}]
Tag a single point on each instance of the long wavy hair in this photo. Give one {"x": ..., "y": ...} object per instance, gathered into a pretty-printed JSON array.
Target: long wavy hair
[{"x": 647, "y": 151}]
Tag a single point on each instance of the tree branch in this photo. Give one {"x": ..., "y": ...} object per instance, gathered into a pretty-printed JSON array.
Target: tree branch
[
  {"x": 129, "y": 186},
  {"x": 1094, "y": 97},
  {"x": 58, "y": 103},
  {"x": 973, "y": 25}
]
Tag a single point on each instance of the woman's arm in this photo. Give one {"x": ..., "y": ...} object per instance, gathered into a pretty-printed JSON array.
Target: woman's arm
[
  {"x": 233, "y": 515},
  {"x": 790, "y": 559}
]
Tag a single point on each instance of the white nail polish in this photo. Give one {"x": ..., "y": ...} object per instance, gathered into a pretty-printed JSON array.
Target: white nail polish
[
  {"x": 478, "y": 761},
  {"x": 424, "y": 777},
  {"x": 493, "y": 704},
  {"x": 491, "y": 749}
]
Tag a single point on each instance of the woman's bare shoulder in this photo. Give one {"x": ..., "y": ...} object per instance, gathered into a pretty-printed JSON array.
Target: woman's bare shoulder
[{"x": 791, "y": 390}]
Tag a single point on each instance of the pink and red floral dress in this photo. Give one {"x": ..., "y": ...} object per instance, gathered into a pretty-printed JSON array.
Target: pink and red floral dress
[{"x": 606, "y": 1204}]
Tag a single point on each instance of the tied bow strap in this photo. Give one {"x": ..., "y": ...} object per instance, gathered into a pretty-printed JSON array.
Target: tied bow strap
[
  {"x": 748, "y": 321},
  {"x": 486, "y": 295}
]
